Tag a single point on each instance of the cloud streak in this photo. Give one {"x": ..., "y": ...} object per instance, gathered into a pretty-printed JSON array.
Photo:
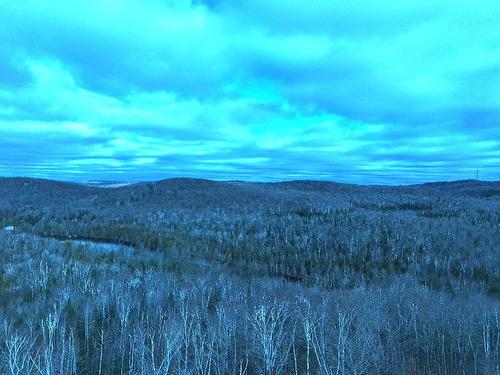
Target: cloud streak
[{"x": 370, "y": 93}]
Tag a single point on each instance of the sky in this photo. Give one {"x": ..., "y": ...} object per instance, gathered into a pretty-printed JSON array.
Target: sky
[{"x": 369, "y": 92}]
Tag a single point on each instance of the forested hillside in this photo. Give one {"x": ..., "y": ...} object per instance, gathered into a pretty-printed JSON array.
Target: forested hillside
[
  {"x": 297, "y": 277},
  {"x": 330, "y": 235}
]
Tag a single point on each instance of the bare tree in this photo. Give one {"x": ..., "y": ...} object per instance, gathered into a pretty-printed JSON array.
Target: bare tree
[
  {"x": 17, "y": 352},
  {"x": 269, "y": 324}
]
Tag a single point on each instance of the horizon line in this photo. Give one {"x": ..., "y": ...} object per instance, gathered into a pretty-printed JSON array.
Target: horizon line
[{"x": 90, "y": 182}]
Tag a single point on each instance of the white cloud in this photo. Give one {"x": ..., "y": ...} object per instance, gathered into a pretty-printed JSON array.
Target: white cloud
[{"x": 244, "y": 84}]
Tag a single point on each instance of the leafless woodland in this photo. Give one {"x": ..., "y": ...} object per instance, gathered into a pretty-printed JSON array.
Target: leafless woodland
[{"x": 239, "y": 278}]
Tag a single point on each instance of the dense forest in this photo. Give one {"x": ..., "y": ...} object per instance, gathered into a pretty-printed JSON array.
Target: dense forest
[{"x": 297, "y": 277}]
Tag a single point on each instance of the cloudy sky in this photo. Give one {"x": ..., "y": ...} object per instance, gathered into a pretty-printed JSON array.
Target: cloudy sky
[{"x": 369, "y": 91}]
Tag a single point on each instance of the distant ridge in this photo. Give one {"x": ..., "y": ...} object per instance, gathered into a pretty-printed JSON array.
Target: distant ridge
[
  {"x": 493, "y": 187},
  {"x": 27, "y": 181}
]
